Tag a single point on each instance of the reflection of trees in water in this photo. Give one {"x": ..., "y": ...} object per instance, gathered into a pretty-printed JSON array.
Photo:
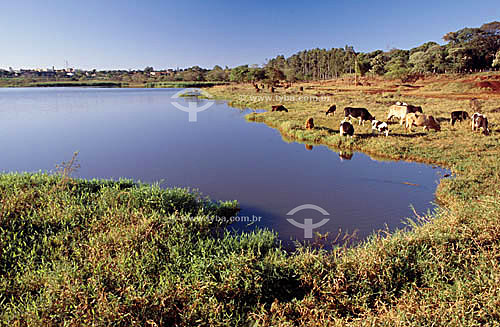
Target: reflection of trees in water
[
  {"x": 309, "y": 147},
  {"x": 343, "y": 155}
]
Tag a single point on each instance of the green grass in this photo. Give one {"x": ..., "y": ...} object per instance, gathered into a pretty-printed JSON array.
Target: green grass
[{"x": 79, "y": 252}]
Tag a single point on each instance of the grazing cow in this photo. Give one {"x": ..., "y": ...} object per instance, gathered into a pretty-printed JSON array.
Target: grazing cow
[
  {"x": 272, "y": 89},
  {"x": 380, "y": 127},
  {"x": 397, "y": 111},
  {"x": 301, "y": 88},
  {"x": 279, "y": 107},
  {"x": 400, "y": 111},
  {"x": 309, "y": 147},
  {"x": 331, "y": 110},
  {"x": 360, "y": 113},
  {"x": 479, "y": 121},
  {"x": 346, "y": 128},
  {"x": 417, "y": 119},
  {"x": 310, "y": 123},
  {"x": 458, "y": 116}
]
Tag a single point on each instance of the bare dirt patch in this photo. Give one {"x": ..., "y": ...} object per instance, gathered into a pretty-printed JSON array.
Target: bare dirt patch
[{"x": 492, "y": 85}]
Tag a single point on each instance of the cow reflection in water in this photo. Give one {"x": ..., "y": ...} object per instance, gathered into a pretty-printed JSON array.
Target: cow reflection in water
[
  {"x": 309, "y": 147},
  {"x": 345, "y": 155}
]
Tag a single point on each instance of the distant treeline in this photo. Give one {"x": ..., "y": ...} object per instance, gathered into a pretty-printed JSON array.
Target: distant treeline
[{"x": 466, "y": 50}]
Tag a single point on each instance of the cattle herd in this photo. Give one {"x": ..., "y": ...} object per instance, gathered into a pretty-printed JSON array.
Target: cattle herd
[{"x": 408, "y": 114}]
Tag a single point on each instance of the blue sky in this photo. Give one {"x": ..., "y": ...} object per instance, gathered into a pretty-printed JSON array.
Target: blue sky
[{"x": 109, "y": 34}]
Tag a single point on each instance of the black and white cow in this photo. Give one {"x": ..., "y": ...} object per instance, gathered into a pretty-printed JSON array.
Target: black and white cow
[
  {"x": 331, "y": 110},
  {"x": 346, "y": 128},
  {"x": 361, "y": 113},
  {"x": 479, "y": 121},
  {"x": 380, "y": 127},
  {"x": 458, "y": 116}
]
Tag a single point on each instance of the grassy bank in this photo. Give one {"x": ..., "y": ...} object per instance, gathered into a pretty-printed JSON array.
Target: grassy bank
[
  {"x": 78, "y": 252},
  {"x": 442, "y": 273}
]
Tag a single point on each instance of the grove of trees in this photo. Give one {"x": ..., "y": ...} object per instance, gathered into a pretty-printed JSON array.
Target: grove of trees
[{"x": 466, "y": 50}]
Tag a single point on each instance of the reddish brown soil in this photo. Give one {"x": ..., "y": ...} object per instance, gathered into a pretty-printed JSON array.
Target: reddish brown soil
[
  {"x": 489, "y": 83},
  {"x": 492, "y": 85}
]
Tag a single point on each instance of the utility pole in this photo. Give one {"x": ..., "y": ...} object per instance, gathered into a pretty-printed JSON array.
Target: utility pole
[{"x": 355, "y": 65}]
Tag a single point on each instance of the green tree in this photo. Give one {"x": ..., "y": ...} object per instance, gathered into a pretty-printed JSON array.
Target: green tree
[
  {"x": 239, "y": 74},
  {"x": 275, "y": 74},
  {"x": 397, "y": 64},
  {"x": 378, "y": 64},
  {"x": 217, "y": 74},
  {"x": 255, "y": 74},
  {"x": 419, "y": 62}
]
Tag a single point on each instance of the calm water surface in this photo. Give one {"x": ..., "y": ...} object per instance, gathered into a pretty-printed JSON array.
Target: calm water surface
[{"x": 139, "y": 134}]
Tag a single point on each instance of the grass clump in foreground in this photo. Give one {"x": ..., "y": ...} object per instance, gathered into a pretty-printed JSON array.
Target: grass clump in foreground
[{"x": 77, "y": 252}]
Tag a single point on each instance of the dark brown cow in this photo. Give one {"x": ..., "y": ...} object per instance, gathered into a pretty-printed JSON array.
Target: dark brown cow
[
  {"x": 310, "y": 123},
  {"x": 418, "y": 119},
  {"x": 331, "y": 110},
  {"x": 361, "y": 113},
  {"x": 279, "y": 107},
  {"x": 458, "y": 116}
]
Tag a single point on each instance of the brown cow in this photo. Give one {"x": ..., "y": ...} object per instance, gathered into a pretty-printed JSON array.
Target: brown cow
[
  {"x": 310, "y": 123},
  {"x": 417, "y": 119},
  {"x": 279, "y": 107}
]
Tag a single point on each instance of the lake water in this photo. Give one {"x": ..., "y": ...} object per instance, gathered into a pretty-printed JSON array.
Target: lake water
[{"x": 139, "y": 134}]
